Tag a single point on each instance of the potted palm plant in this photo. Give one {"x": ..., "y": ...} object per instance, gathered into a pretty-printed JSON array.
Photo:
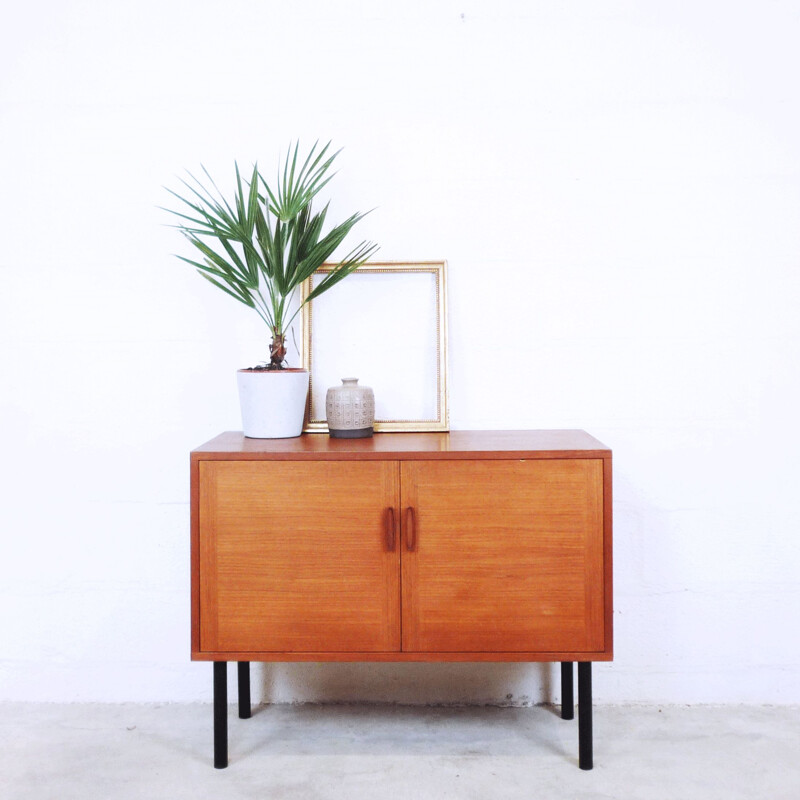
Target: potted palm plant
[{"x": 259, "y": 247}]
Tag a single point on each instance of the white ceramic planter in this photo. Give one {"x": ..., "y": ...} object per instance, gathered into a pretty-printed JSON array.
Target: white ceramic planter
[{"x": 273, "y": 402}]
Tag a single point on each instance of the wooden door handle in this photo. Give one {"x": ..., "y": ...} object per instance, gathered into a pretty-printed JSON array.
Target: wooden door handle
[
  {"x": 390, "y": 530},
  {"x": 411, "y": 530}
]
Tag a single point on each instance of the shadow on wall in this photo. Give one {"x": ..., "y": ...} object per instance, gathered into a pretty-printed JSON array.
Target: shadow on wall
[{"x": 502, "y": 684}]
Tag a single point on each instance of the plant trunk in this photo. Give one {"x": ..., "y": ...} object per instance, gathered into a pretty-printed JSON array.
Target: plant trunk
[{"x": 277, "y": 350}]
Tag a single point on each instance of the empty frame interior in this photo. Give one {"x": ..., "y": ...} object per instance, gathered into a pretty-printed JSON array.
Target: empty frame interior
[{"x": 386, "y": 325}]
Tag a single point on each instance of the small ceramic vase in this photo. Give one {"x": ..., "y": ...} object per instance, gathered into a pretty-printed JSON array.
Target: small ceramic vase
[{"x": 350, "y": 410}]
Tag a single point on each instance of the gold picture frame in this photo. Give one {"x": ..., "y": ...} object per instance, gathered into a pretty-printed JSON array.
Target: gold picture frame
[{"x": 385, "y": 324}]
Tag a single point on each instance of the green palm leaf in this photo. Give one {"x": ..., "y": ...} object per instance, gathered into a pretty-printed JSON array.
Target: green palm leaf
[{"x": 261, "y": 245}]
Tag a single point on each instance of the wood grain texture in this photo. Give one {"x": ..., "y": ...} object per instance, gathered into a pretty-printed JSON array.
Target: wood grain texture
[
  {"x": 508, "y": 556},
  {"x": 608, "y": 560},
  {"x": 399, "y": 656},
  {"x": 293, "y": 557},
  {"x": 194, "y": 500},
  {"x": 279, "y": 574},
  {"x": 407, "y": 446}
]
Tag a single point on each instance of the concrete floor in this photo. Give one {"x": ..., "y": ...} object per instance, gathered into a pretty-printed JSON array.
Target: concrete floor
[{"x": 364, "y": 751}]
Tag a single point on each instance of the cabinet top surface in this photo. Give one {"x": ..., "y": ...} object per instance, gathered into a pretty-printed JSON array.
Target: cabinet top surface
[{"x": 402, "y": 446}]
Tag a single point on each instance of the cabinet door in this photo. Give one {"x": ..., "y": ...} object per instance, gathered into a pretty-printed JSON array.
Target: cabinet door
[
  {"x": 507, "y": 556},
  {"x": 295, "y": 557}
]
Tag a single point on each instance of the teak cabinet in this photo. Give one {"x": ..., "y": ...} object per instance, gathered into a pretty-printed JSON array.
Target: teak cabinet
[{"x": 461, "y": 546}]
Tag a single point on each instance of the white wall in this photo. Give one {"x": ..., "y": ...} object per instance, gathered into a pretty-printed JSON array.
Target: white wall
[{"x": 616, "y": 188}]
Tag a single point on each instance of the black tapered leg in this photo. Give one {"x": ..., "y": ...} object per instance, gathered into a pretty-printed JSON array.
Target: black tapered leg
[
  {"x": 220, "y": 714},
  {"x": 585, "y": 760},
  {"x": 567, "y": 700},
  {"x": 244, "y": 690}
]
